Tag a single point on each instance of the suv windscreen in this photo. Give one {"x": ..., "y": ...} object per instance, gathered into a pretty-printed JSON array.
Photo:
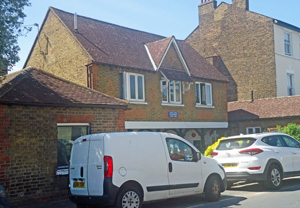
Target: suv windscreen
[{"x": 235, "y": 143}]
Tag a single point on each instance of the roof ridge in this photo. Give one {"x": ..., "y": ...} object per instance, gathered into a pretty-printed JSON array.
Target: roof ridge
[
  {"x": 262, "y": 99},
  {"x": 72, "y": 83},
  {"x": 108, "y": 23}
]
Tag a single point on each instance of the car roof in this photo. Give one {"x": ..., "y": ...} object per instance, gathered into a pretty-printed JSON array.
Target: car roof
[{"x": 254, "y": 136}]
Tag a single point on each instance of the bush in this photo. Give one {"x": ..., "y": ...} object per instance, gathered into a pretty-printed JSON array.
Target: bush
[
  {"x": 212, "y": 147},
  {"x": 291, "y": 129}
]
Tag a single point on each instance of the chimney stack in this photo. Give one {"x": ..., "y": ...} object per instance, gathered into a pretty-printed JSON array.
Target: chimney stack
[
  {"x": 206, "y": 11},
  {"x": 75, "y": 23},
  {"x": 243, "y": 4}
]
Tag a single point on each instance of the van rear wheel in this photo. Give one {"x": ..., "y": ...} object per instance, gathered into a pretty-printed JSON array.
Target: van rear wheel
[
  {"x": 129, "y": 197},
  {"x": 213, "y": 188}
]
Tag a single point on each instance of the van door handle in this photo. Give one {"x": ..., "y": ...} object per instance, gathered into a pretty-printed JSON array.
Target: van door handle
[{"x": 170, "y": 167}]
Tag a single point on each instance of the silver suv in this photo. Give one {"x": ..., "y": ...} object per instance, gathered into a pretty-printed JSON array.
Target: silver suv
[{"x": 266, "y": 158}]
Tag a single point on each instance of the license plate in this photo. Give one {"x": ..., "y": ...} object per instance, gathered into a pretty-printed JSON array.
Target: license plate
[
  {"x": 230, "y": 165},
  {"x": 78, "y": 184}
]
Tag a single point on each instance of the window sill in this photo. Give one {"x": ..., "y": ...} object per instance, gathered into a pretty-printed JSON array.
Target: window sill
[
  {"x": 204, "y": 106},
  {"x": 172, "y": 104},
  {"x": 62, "y": 172},
  {"x": 138, "y": 102}
]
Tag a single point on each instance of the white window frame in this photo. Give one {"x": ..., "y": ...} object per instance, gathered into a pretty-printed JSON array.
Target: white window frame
[
  {"x": 64, "y": 170},
  {"x": 253, "y": 129},
  {"x": 290, "y": 84},
  {"x": 127, "y": 90},
  {"x": 168, "y": 87},
  {"x": 288, "y": 44},
  {"x": 198, "y": 90}
]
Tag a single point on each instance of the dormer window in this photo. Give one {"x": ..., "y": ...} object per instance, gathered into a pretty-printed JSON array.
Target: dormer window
[{"x": 171, "y": 92}]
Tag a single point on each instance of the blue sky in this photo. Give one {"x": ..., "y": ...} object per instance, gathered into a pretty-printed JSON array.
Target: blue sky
[{"x": 162, "y": 17}]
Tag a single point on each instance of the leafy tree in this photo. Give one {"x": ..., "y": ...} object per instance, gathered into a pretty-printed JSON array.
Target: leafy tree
[
  {"x": 291, "y": 129},
  {"x": 11, "y": 20}
]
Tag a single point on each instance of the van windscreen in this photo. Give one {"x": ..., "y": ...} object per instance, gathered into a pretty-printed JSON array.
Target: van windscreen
[{"x": 237, "y": 143}]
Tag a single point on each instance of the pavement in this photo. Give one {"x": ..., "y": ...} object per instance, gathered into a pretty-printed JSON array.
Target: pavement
[{"x": 55, "y": 204}]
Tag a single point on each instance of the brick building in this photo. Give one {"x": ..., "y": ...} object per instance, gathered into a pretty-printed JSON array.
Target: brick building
[
  {"x": 261, "y": 53},
  {"x": 262, "y": 115},
  {"x": 168, "y": 85},
  {"x": 40, "y": 116}
]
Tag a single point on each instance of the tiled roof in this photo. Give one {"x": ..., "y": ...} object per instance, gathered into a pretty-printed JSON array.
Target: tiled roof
[
  {"x": 264, "y": 108},
  {"x": 36, "y": 87},
  {"x": 158, "y": 48},
  {"x": 116, "y": 45}
]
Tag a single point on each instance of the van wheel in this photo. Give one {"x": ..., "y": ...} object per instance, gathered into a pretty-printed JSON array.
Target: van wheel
[
  {"x": 213, "y": 188},
  {"x": 274, "y": 177},
  {"x": 129, "y": 197}
]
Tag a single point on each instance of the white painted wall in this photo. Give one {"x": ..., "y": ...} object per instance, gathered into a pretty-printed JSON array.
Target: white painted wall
[{"x": 286, "y": 64}]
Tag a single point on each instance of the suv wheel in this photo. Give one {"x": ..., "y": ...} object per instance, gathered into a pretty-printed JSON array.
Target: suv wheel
[
  {"x": 129, "y": 197},
  {"x": 213, "y": 188},
  {"x": 274, "y": 177}
]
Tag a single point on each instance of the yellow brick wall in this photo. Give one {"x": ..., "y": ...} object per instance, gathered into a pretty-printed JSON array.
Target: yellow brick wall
[
  {"x": 57, "y": 52},
  {"x": 107, "y": 79},
  {"x": 245, "y": 42}
]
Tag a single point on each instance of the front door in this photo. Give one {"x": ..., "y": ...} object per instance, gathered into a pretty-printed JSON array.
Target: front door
[{"x": 184, "y": 170}]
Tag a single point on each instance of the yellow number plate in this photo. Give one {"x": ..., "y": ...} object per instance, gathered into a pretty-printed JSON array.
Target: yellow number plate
[
  {"x": 78, "y": 184},
  {"x": 230, "y": 165}
]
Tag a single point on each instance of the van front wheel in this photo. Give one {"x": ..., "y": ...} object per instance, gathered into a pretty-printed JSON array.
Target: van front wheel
[
  {"x": 213, "y": 188},
  {"x": 129, "y": 197}
]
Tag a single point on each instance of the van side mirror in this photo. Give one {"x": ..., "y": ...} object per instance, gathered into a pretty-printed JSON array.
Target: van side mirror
[{"x": 197, "y": 156}]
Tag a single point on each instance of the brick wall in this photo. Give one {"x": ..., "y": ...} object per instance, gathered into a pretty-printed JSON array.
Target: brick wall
[
  {"x": 28, "y": 151},
  {"x": 245, "y": 42},
  {"x": 106, "y": 79},
  {"x": 57, "y": 52}
]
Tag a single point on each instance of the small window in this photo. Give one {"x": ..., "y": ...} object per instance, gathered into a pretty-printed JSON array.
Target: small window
[
  {"x": 290, "y": 84},
  {"x": 203, "y": 94},
  {"x": 171, "y": 91},
  {"x": 66, "y": 135},
  {"x": 133, "y": 87},
  {"x": 288, "y": 44},
  {"x": 180, "y": 151},
  {"x": 238, "y": 143},
  {"x": 274, "y": 141},
  {"x": 253, "y": 130},
  {"x": 290, "y": 142}
]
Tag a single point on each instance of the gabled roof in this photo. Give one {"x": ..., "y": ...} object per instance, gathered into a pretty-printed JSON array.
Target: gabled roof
[
  {"x": 278, "y": 107},
  {"x": 36, "y": 87},
  {"x": 120, "y": 46}
]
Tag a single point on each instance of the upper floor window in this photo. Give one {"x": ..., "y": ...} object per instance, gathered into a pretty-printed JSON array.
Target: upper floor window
[
  {"x": 253, "y": 130},
  {"x": 134, "y": 88},
  {"x": 171, "y": 91},
  {"x": 290, "y": 85},
  {"x": 203, "y": 94},
  {"x": 288, "y": 44}
]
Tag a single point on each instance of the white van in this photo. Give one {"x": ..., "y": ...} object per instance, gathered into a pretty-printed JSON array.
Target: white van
[{"x": 129, "y": 168}]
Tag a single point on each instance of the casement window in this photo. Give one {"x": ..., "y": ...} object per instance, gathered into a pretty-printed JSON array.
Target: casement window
[
  {"x": 288, "y": 44},
  {"x": 204, "y": 94},
  {"x": 171, "y": 91},
  {"x": 253, "y": 130},
  {"x": 290, "y": 84},
  {"x": 66, "y": 135},
  {"x": 133, "y": 87}
]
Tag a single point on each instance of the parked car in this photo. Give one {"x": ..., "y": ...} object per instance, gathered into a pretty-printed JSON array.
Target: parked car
[
  {"x": 266, "y": 158},
  {"x": 126, "y": 169}
]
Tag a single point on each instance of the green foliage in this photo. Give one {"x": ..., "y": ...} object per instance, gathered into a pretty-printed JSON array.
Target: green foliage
[
  {"x": 291, "y": 129},
  {"x": 212, "y": 147},
  {"x": 11, "y": 20}
]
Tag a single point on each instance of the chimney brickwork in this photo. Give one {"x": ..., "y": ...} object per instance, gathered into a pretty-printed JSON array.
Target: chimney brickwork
[{"x": 245, "y": 42}]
